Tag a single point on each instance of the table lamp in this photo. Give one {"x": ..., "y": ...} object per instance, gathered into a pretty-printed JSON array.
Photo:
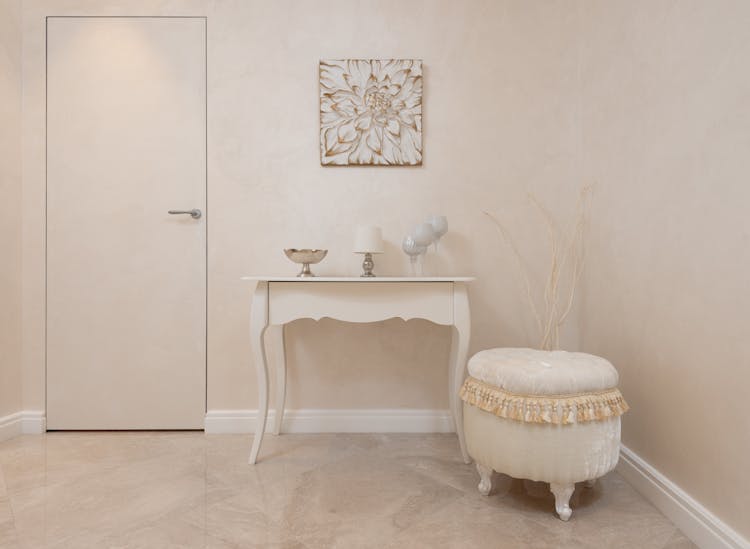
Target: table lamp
[{"x": 368, "y": 241}]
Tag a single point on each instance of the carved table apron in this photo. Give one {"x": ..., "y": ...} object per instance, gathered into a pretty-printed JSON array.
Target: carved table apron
[{"x": 280, "y": 300}]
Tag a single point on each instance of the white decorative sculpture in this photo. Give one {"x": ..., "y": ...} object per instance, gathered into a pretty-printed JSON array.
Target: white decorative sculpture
[
  {"x": 439, "y": 226},
  {"x": 371, "y": 112},
  {"x": 549, "y": 416}
]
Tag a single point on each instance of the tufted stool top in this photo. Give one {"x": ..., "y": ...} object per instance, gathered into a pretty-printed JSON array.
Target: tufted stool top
[
  {"x": 543, "y": 386},
  {"x": 532, "y": 372}
]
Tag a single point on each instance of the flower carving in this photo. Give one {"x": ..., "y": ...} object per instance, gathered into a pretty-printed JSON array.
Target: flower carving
[{"x": 371, "y": 112}]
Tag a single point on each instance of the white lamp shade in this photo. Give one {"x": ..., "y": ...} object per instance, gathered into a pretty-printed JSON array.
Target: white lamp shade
[{"x": 368, "y": 239}]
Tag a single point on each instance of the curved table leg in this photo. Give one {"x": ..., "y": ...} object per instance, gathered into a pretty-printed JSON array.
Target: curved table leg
[
  {"x": 459, "y": 355},
  {"x": 276, "y": 334},
  {"x": 258, "y": 324}
]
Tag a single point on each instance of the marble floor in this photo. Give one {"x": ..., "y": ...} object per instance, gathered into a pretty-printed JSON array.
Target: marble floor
[{"x": 186, "y": 489}]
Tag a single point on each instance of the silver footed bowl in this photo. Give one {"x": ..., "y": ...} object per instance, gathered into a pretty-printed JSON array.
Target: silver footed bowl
[{"x": 306, "y": 257}]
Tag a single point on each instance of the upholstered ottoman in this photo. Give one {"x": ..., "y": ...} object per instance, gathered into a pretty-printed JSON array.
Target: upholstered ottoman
[{"x": 550, "y": 416}]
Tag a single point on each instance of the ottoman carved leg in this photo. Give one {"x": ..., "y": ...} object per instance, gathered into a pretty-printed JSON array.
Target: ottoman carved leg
[
  {"x": 562, "y": 499},
  {"x": 485, "y": 479}
]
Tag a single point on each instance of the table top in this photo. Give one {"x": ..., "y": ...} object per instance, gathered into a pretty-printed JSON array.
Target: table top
[{"x": 266, "y": 278}]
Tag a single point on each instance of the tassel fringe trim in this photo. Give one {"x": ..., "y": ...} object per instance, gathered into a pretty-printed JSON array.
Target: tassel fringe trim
[{"x": 555, "y": 409}]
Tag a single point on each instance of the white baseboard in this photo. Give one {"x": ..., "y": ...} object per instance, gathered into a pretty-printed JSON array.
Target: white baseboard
[
  {"x": 33, "y": 422},
  {"x": 335, "y": 421},
  {"x": 696, "y": 522},
  {"x": 28, "y": 423}
]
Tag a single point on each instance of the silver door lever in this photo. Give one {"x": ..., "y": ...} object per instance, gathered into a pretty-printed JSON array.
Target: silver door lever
[{"x": 195, "y": 213}]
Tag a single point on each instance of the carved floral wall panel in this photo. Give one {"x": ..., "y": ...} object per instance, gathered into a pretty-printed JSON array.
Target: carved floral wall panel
[{"x": 371, "y": 112}]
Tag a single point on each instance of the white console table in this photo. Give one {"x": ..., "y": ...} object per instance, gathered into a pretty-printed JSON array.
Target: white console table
[{"x": 280, "y": 300}]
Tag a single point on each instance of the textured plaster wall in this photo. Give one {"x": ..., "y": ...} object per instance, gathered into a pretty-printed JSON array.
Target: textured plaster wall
[
  {"x": 10, "y": 206},
  {"x": 500, "y": 81},
  {"x": 667, "y": 293}
]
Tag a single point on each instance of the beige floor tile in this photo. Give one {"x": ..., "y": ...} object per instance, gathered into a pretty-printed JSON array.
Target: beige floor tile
[
  {"x": 236, "y": 523},
  {"x": 679, "y": 541},
  {"x": 8, "y": 536},
  {"x": 167, "y": 490}
]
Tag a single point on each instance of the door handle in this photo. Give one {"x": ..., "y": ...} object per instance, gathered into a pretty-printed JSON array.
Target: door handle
[{"x": 195, "y": 213}]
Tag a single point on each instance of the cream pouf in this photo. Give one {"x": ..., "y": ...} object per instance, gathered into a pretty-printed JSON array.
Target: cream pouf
[{"x": 549, "y": 416}]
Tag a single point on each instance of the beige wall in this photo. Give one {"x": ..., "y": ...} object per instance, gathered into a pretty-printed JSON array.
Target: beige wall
[
  {"x": 10, "y": 206},
  {"x": 667, "y": 125},
  {"x": 483, "y": 139},
  {"x": 486, "y": 140}
]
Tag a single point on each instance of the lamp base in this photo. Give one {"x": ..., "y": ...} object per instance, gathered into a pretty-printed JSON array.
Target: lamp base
[{"x": 367, "y": 266}]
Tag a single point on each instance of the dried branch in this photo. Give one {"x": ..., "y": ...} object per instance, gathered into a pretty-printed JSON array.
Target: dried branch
[{"x": 566, "y": 254}]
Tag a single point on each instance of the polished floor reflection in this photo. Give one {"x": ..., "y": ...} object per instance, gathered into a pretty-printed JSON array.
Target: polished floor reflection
[{"x": 170, "y": 490}]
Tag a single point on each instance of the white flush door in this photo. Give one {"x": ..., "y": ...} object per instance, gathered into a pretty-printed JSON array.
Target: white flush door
[{"x": 126, "y": 281}]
